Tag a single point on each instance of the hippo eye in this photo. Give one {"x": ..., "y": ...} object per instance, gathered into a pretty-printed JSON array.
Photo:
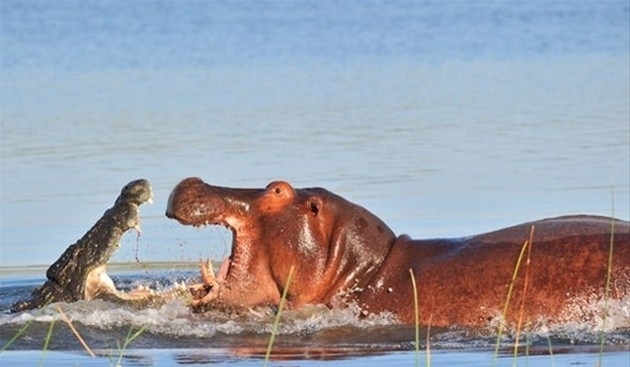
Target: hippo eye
[
  {"x": 314, "y": 208},
  {"x": 278, "y": 191}
]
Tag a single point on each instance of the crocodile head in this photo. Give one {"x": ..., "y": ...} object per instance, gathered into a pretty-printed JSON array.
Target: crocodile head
[
  {"x": 80, "y": 272},
  {"x": 103, "y": 239}
]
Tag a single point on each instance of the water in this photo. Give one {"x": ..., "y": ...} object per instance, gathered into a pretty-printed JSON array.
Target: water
[
  {"x": 172, "y": 335},
  {"x": 444, "y": 119}
]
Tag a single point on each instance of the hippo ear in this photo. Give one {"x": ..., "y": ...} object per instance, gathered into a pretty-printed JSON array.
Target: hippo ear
[{"x": 315, "y": 204}]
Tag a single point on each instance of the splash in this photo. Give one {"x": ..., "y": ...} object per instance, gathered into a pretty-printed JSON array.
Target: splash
[
  {"x": 596, "y": 317},
  {"x": 174, "y": 323}
]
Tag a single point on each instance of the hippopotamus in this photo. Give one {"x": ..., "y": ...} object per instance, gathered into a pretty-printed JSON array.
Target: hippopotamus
[
  {"x": 80, "y": 272},
  {"x": 343, "y": 254}
]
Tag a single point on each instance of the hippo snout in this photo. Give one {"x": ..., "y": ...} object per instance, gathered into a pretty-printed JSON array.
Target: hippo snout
[{"x": 189, "y": 203}]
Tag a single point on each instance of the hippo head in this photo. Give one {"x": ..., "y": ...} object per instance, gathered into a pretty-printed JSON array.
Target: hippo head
[{"x": 334, "y": 246}]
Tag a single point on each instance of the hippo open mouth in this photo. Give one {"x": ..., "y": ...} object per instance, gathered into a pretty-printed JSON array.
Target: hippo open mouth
[
  {"x": 221, "y": 207},
  {"x": 80, "y": 272},
  {"x": 229, "y": 263}
]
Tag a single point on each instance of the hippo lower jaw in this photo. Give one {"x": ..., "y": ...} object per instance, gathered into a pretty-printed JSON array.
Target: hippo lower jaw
[{"x": 209, "y": 288}]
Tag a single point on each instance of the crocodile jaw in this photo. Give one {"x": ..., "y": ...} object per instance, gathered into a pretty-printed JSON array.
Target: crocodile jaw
[{"x": 97, "y": 283}]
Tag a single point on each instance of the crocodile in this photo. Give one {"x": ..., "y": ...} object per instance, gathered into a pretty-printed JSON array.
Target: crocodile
[{"x": 80, "y": 272}]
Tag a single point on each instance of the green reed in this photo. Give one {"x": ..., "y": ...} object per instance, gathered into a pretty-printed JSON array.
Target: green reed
[
  {"x": 47, "y": 342},
  {"x": 416, "y": 315},
  {"x": 23, "y": 329},
  {"x": 19, "y": 333},
  {"x": 276, "y": 322},
  {"x": 128, "y": 340},
  {"x": 602, "y": 334},
  {"x": 503, "y": 320},
  {"x": 521, "y": 311}
]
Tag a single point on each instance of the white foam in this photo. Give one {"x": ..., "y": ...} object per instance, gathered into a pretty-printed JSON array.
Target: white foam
[
  {"x": 585, "y": 319},
  {"x": 597, "y": 314},
  {"x": 174, "y": 319}
]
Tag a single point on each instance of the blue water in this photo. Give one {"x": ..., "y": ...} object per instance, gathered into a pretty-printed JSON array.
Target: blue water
[{"x": 443, "y": 118}]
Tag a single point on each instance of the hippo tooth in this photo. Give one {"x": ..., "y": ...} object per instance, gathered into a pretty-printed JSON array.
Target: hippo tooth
[{"x": 207, "y": 274}]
